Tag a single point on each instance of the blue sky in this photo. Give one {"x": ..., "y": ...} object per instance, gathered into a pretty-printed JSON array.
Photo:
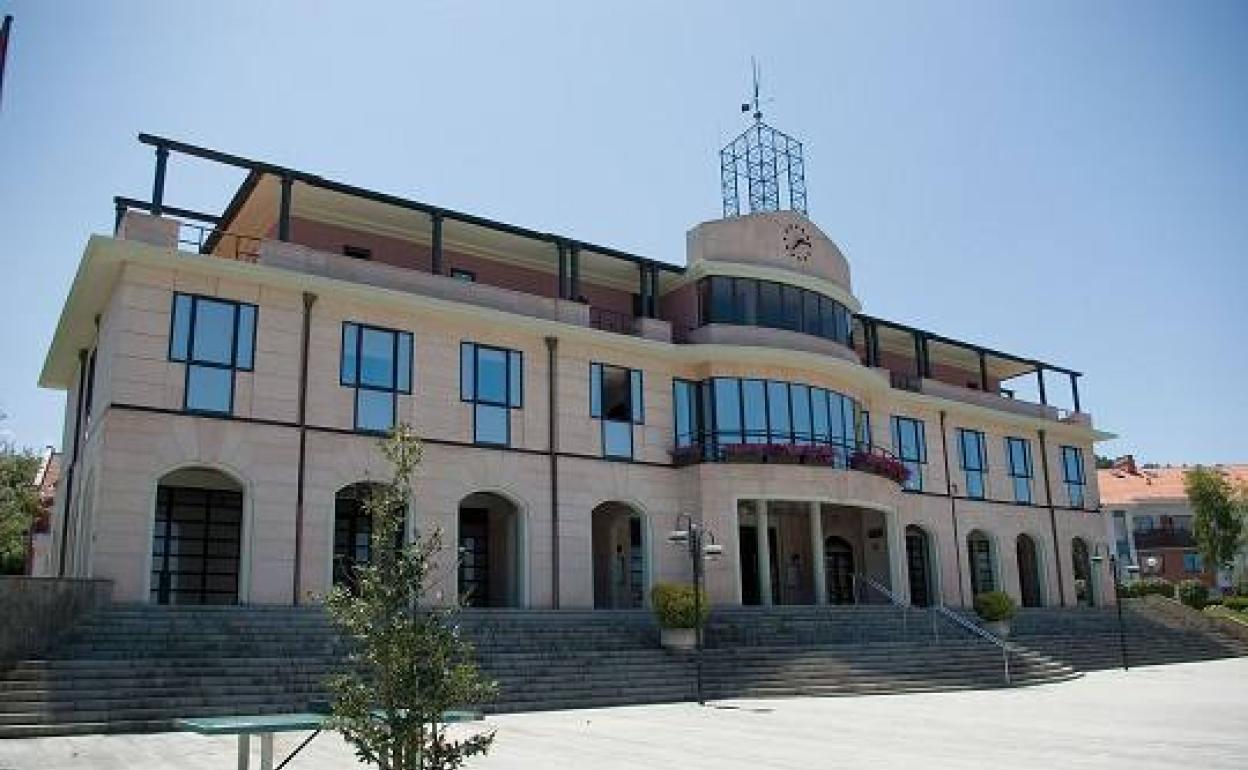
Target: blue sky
[{"x": 1063, "y": 180}]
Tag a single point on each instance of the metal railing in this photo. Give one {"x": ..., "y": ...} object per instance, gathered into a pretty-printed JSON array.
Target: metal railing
[
  {"x": 218, "y": 243},
  {"x": 938, "y": 611},
  {"x": 612, "y": 321}
]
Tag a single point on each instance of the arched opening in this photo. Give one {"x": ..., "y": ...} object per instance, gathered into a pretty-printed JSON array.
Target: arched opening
[
  {"x": 197, "y": 538},
  {"x": 919, "y": 566},
  {"x": 838, "y": 569},
  {"x": 1082, "y": 564},
  {"x": 1028, "y": 571},
  {"x": 619, "y": 557},
  {"x": 980, "y": 562},
  {"x": 353, "y": 532},
  {"x": 491, "y": 552}
]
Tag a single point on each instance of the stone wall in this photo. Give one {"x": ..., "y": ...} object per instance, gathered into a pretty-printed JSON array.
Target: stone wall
[{"x": 37, "y": 610}]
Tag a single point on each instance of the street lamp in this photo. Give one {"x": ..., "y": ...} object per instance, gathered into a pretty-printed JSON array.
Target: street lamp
[
  {"x": 701, "y": 545},
  {"x": 1122, "y": 629}
]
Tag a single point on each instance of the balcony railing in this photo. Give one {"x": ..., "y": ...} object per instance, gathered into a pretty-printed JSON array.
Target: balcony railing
[
  {"x": 612, "y": 321},
  {"x": 858, "y": 456},
  {"x": 1165, "y": 538}
]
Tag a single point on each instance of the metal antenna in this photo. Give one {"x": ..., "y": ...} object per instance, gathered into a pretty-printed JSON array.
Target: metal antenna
[{"x": 758, "y": 112}]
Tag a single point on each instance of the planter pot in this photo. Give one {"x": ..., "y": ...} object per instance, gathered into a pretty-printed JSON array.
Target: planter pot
[
  {"x": 678, "y": 638},
  {"x": 998, "y": 628}
]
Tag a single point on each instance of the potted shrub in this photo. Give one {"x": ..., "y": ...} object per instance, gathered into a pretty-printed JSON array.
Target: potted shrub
[
  {"x": 995, "y": 608},
  {"x": 674, "y": 608}
]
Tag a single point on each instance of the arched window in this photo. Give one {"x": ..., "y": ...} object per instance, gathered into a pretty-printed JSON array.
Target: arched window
[
  {"x": 1082, "y": 564},
  {"x": 919, "y": 566},
  {"x": 197, "y": 538},
  {"x": 1028, "y": 571},
  {"x": 980, "y": 560}
]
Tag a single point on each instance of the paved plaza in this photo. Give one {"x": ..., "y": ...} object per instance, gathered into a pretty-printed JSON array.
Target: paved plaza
[{"x": 1163, "y": 717}]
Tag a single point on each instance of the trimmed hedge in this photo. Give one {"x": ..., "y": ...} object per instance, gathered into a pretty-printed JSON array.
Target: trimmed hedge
[
  {"x": 1148, "y": 587},
  {"x": 995, "y": 605},
  {"x": 1193, "y": 593},
  {"x": 674, "y": 605},
  {"x": 1237, "y": 603}
]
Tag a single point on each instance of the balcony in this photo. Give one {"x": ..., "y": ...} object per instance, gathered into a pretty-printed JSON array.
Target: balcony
[
  {"x": 857, "y": 457},
  {"x": 1164, "y": 538}
]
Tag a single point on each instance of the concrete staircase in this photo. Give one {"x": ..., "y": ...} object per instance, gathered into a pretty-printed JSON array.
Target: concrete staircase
[
  {"x": 1088, "y": 638},
  {"x": 828, "y": 651},
  {"x": 137, "y": 667}
]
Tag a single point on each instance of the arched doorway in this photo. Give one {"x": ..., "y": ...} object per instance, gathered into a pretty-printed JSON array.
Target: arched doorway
[
  {"x": 980, "y": 562},
  {"x": 1082, "y": 564},
  {"x": 491, "y": 552},
  {"x": 919, "y": 566},
  {"x": 353, "y": 532},
  {"x": 838, "y": 567},
  {"x": 197, "y": 538},
  {"x": 1028, "y": 571},
  {"x": 619, "y": 557}
]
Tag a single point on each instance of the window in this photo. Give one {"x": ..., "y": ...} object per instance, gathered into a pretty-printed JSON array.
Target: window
[
  {"x": 1018, "y": 452},
  {"x": 214, "y": 338},
  {"x": 750, "y": 411},
  {"x": 615, "y": 398},
  {"x": 974, "y": 462},
  {"x": 1072, "y": 474},
  {"x": 753, "y": 302},
  {"x": 1143, "y": 524},
  {"x": 460, "y": 274},
  {"x": 983, "y": 575},
  {"x": 378, "y": 364},
  {"x": 910, "y": 444},
  {"x": 1193, "y": 563},
  {"x": 685, "y": 406},
  {"x": 357, "y": 252},
  {"x": 492, "y": 380}
]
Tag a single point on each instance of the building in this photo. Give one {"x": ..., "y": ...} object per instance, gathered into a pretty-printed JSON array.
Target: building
[
  {"x": 39, "y": 539},
  {"x": 228, "y": 375},
  {"x": 1151, "y": 520}
]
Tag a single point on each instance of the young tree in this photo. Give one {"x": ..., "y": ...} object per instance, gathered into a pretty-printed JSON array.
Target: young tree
[
  {"x": 19, "y": 505},
  {"x": 1220, "y": 511},
  {"x": 409, "y": 664}
]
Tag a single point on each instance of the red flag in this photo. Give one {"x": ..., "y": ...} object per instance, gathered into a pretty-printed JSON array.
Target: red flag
[{"x": 4, "y": 48}]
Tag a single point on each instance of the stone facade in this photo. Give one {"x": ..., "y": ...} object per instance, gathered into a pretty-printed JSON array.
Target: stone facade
[{"x": 138, "y": 433}]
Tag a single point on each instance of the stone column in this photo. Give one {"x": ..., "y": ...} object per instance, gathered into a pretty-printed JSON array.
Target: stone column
[
  {"x": 895, "y": 541},
  {"x": 764, "y": 554},
  {"x": 816, "y": 550}
]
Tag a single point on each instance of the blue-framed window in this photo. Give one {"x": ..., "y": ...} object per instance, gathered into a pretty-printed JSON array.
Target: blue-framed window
[
  {"x": 492, "y": 380},
  {"x": 1073, "y": 475},
  {"x": 910, "y": 446},
  {"x": 974, "y": 456},
  {"x": 686, "y": 423},
  {"x": 1193, "y": 563},
  {"x": 1018, "y": 453},
  {"x": 214, "y": 338},
  {"x": 377, "y": 363},
  {"x": 755, "y": 302},
  {"x": 616, "y": 399}
]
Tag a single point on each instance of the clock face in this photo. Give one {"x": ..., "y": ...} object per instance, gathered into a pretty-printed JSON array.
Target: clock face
[{"x": 796, "y": 241}]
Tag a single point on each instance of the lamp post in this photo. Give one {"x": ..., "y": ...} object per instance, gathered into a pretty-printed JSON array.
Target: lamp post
[
  {"x": 1122, "y": 629},
  {"x": 700, "y": 544}
]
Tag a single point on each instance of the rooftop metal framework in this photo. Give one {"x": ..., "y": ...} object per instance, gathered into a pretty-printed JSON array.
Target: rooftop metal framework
[{"x": 771, "y": 164}]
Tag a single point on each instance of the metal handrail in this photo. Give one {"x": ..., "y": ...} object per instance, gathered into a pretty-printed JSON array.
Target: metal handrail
[
  {"x": 887, "y": 593},
  {"x": 966, "y": 625}
]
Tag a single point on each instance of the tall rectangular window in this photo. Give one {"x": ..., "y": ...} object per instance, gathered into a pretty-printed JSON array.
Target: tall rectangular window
[
  {"x": 1018, "y": 452},
  {"x": 616, "y": 399},
  {"x": 214, "y": 338},
  {"x": 685, "y": 410},
  {"x": 974, "y": 462},
  {"x": 910, "y": 444},
  {"x": 492, "y": 380},
  {"x": 377, "y": 363},
  {"x": 778, "y": 412},
  {"x": 1073, "y": 475}
]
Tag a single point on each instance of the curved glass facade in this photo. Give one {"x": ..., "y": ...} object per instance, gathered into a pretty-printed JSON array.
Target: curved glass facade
[
  {"x": 755, "y": 302},
  {"x": 727, "y": 411}
]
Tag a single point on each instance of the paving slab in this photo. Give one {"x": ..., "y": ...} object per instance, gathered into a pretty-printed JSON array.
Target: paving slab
[{"x": 1189, "y": 714}]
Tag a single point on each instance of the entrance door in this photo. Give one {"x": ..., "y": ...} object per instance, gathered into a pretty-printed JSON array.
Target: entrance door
[
  {"x": 353, "y": 532},
  {"x": 1028, "y": 572},
  {"x": 474, "y": 557},
  {"x": 918, "y": 568},
  {"x": 747, "y": 538},
  {"x": 838, "y": 566},
  {"x": 196, "y": 546}
]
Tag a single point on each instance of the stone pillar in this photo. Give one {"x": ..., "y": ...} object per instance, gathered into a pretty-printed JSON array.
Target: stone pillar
[
  {"x": 816, "y": 549},
  {"x": 895, "y": 541},
  {"x": 764, "y": 554}
]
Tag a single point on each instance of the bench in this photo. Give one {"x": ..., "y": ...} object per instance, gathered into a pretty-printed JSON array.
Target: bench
[{"x": 268, "y": 724}]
